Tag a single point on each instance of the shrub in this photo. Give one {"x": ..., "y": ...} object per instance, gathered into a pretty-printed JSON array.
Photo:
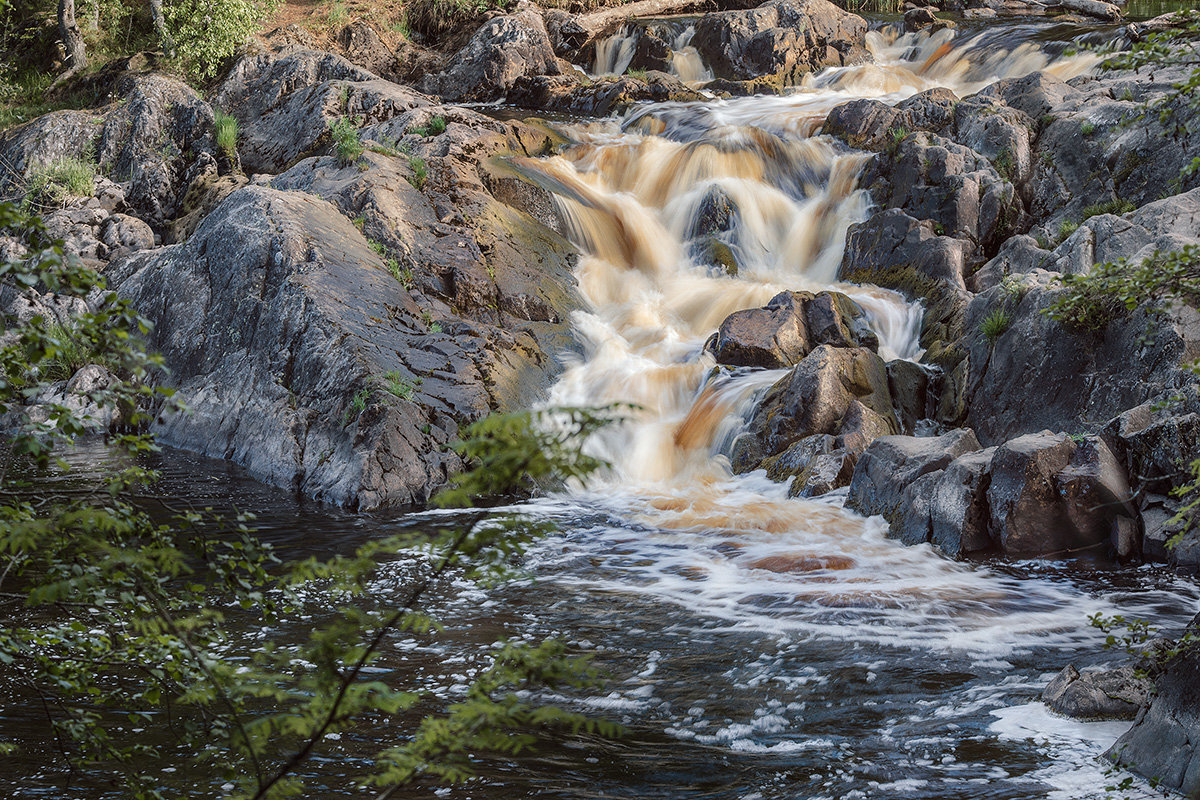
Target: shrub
[
  {"x": 205, "y": 33},
  {"x": 434, "y": 19},
  {"x": 345, "y": 140},
  {"x": 53, "y": 185},
  {"x": 225, "y": 131},
  {"x": 995, "y": 324},
  {"x": 1115, "y": 289},
  {"x": 397, "y": 385}
]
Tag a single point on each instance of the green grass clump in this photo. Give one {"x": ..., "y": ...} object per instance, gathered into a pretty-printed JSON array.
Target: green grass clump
[
  {"x": 397, "y": 385},
  {"x": 419, "y": 170},
  {"x": 54, "y": 184},
  {"x": 402, "y": 274},
  {"x": 1117, "y": 206},
  {"x": 435, "y": 127},
  {"x": 995, "y": 323},
  {"x": 225, "y": 131},
  {"x": 638, "y": 74},
  {"x": 1087, "y": 128},
  {"x": 1066, "y": 228},
  {"x": 345, "y": 140}
]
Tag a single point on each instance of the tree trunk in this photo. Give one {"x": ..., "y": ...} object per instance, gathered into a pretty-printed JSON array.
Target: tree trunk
[
  {"x": 72, "y": 40},
  {"x": 160, "y": 27},
  {"x": 605, "y": 20}
]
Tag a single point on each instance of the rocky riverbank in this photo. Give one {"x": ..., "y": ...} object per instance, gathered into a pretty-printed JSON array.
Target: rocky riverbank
[{"x": 376, "y": 264}]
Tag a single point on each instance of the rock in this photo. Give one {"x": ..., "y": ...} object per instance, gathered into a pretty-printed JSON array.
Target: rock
[
  {"x": 40, "y": 142},
  {"x": 840, "y": 391},
  {"x": 911, "y": 385},
  {"x": 504, "y": 49},
  {"x": 281, "y": 327},
  {"x": 773, "y": 337},
  {"x": 919, "y": 19},
  {"x": 363, "y": 46},
  {"x": 285, "y": 101},
  {"x": 788, "y": 38},
  {"x": 1050, "y": 496},
  {"x": 790, "y": 325},
  {"x": 958, "y": 512},
  {"x": 1093, "y": 8},
  {"x": 891, "y": 465},
  {"x": 150, "y": 140},
  {"x": 1073, "y": 378},
  {"x": 1163, "y": 742},
  {"x": 121, "y": 231},
  {"x": 1097, "y": 694},
  {"x": 599, "y": 97}
]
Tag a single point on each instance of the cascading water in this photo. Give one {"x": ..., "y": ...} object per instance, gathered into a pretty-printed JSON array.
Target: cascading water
[
  {"x": 819, "y": 590},
  {"x": 615, "y": 53}
]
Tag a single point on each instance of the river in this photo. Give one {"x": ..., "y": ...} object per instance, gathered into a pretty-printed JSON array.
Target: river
[{"x": 759, "y": 646}]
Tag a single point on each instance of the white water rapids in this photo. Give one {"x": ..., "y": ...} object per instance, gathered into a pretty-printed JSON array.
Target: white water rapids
[{"x": 672, "y": 525}]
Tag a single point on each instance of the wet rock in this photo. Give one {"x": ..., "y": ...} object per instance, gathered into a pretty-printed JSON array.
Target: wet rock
[
  {"x": 885, "y": 481},
  {"x": 1163, "y": 742},
  {"x": 789, "y": 327},
  {"x": 286, "y": 100},
  {"x": 1050, "y": 496},
  {"x": 773, "y": 337},
  {"x": 959, "y": 523},
  {"x": 1097, "y": 694},
  {"x": 824, "y": 473},
  {"x": 840, "y": 391},
  {"x": 1152, "y": 442},
  {"x": 788, "y": 38},
  {"x": 599, "y": 97},
  {"x": 864, "y": 124},
  {"x": 919, "y": 19},
  {"x": 504, "y": 49},
  {"x": 716, "y": 214},
  {"x": 566, "y": 34},
  {"x": 911, "y": 386}
]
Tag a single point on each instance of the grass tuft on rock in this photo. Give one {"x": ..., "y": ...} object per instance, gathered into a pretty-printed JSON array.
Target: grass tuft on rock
[
  {"x": 51, "y": 186},
  {"x": 225, "y": 132},
  {"x": 345, "y": 140},
  {"x": 995, "y": 324}
]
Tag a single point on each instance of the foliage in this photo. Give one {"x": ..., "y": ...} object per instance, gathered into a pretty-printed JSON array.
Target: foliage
[
  {"x": 1087, "y": 127},
  {"x": 398, "y": 385},
  {"x": 1172, "y": 46},
  {"x": 345, "y": 140},
  {"x": 995, "y": 324},
  {"x": 206, "y": 33},
  {"x": 1066, "y": 228},
  {"x": 225, "y": 132},
  {"x": 434, "y": 19},
  {"x": 420, "y": 173},
  {"x": 1115, "y": 289},
  {"x": 1145, "y": 642},
  {"x": 435, "y": 127},
  {"x": 129, "y": 618},
  {"x": 1117, "y": 206},
  {"x": 51, "y": 186}
]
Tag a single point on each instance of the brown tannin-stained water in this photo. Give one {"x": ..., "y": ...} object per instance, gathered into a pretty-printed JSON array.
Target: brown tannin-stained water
[{"x": 760, "y": 647}]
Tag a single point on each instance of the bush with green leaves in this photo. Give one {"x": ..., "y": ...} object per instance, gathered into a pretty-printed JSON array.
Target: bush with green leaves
[
  {"x": 128, "y": 619},
  {"x": 1115, "y": 289},
  {"x": 206, "y": 33},
  {"x": 225, "y": 133}
]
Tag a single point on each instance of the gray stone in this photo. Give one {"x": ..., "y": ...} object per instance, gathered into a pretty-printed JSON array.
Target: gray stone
[
  {"x": 504, "y": 49},
  {"x": 959, "y": 516},
  {"x": 1097, "y": 694}
]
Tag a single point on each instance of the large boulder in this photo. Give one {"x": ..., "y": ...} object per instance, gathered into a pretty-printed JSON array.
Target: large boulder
[
  {"x": 302, "y": 358},
  {"x": 787, "y": 38},
  {"x": 895, "y": 476},
  {"x": 599, "y": 97},
  {"x": 1164, "y": 742},
  {"x": 1049, "y": 495},
  {"x": 285, "y": 101},
  {"x": 27, "y": 148},
  {"x": 504, "y": 49},
  {"x": 791, "y": 324},
  {"x": 839, "y": 391}
]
